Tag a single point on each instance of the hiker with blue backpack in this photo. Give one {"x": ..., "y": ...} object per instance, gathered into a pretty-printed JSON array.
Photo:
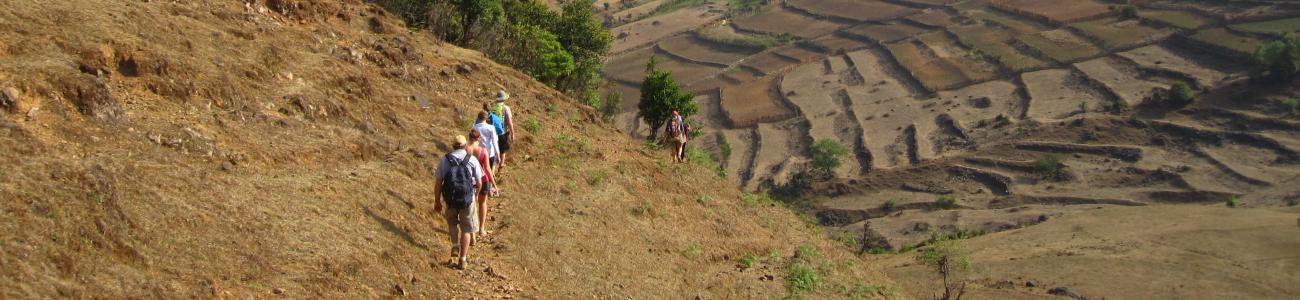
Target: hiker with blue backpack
[
  {"x": 458, "y": 181},
  {"x": 505, "y": 134}
]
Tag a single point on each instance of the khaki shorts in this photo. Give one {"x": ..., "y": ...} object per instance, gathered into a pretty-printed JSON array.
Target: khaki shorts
[{"x": 466, "y": 218}]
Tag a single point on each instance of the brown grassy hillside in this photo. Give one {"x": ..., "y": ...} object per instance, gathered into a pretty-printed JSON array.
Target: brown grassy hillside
[{"x": 170, "y": 149}]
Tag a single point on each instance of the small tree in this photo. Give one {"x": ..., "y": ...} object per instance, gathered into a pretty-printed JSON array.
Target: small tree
[
  {"x": 1180, "y": 93},
  {"x": 660, "y": 96},
  {"x": 613, "y": 101},
  {"x": 1128, "y": 12},
  {"x": 826, "y": 154},
  {"x": 946, "y": 257},
  {"x": 1278, "y": 60},
  {"x": 474, "y": 13}
]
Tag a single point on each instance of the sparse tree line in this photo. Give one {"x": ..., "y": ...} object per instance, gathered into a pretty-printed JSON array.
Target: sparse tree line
[{"x": 563, "y": 49}]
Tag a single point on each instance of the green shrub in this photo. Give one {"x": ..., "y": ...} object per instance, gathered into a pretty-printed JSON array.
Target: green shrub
[
  {"x": 613, "y": 103},
  {"x": 703, "y": 199},
  {"x": 946, "y": 258},
  {"x": 532, "y": 125},
  {"x": 1128, "y": 12},
  {"x": 596, "y": 177},
  {"x": 643, "y": 209},
  {"x": 1232, "y": 202},
  {"x": 1048, "y": 164},
  {"x": 946, "y": 202},
  {"x": 692, "y": 250},
  {"x": 724, "y": 147},
  {"x": 773, "y": 257},
  {"x": 801, "y": 278},
  {"x": 754, "y": 200},
  {"x": 748, "y": 261},
  {"x": 1293, "y": 104},
  {"x": 888, "y": 206},
  {"x": 826, "y": 156}
]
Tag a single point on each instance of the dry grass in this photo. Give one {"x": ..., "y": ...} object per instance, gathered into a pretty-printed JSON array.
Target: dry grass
[{"x": 228, "y": 175}]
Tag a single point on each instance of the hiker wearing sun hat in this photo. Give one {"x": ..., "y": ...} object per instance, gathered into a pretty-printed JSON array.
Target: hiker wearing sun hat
[{"x": 506, "y": 136}]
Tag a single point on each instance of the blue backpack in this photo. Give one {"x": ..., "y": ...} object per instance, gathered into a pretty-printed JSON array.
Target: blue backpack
[
  {"x": 497, "y": 124},
  {"x": 458, "y": 183}
]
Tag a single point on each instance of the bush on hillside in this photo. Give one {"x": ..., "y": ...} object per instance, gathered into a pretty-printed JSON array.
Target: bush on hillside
[
  {"x": 1277, "y": 60},
  {"x": 1178, "y": 95},
  {"x": 613, "y": 103},
  {"x": 1049, "y": 164},
  {"x": 946, "y": 202},
  {"x": 826, "y": 155}
]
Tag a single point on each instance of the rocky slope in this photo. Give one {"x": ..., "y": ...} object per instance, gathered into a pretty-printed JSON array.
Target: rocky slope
[{"x": 167, "y": 149}]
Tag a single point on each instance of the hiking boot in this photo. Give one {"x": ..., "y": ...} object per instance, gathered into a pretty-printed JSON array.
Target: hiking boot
[{"x": 464, "y": 263}]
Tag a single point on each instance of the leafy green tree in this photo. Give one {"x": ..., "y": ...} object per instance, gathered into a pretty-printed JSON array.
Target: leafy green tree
[
  {"x": 551, "y": 61},
  {"x": 1278, "y": 60},
  {"x": 1128, "y": 12},
  {"x": 660, "y": 96},
  {"x": 613, "y": 102},
  {"x": 946, "y": 257},
  {"x": 477, "y": 12},
  {"x": 588, "y": 41},
  {"x": 826, "y": 154}
]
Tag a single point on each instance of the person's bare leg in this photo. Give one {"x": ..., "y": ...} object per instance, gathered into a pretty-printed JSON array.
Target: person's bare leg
[
  {"x": 453, "y": 234},
  {"x": 464, "y": 250},
  {"x": 482, "y": 214}
]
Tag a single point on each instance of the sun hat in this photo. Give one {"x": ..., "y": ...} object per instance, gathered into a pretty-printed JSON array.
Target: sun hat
[
  {"x": 460, "y": 142},
  {"x": 502, "y": 96}
]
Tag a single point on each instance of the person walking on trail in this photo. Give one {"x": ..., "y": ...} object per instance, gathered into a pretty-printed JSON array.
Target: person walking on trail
[
  {"x": 500, "y": 126},
  {"x": 489, "y": 139},
  {"x": 489, "y": 188},
  {"x": 506, "y": 138},
  {"x": 675, "y": 131},
  {"x": 458, "y": 179}
]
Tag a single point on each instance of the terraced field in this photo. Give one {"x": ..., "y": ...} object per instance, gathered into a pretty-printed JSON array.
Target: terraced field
[
  {"x": 779, "y": 21},
  {"x": 1161, "y": 59},
  {"x": 693, "y": 49},
  {"x": 651, "y": 30},
  {"x": 851, "y": 10},
  {"x": 630, "y": 68},
  {"x": 1059, "y": 94},
  {"x": 1125, "y": 81},
  {"x": 1230, "y": 43},
  {"x": 962, "y": 98},
  {"x": 1060, "y": 45},
  {"x": 1289, "y": 25},
  {"x": 1001, "y": 45},
  {"x": 1113, "y": 33},
  {"x": 753, "y": 102},
  {"x": 1056, "y": 12},
  {"x": 1176, "y": 18},
  {"x": 883, "y": 33}
]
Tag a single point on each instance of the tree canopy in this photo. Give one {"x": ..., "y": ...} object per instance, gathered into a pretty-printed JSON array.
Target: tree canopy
[
  {"x": 1278, "y": 60},
  {"x": 660, "y": 96}
]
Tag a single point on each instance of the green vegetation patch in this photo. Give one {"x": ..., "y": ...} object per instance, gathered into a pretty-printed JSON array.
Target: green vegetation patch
[
  {"x": 1241, "y": 44},
  {"x": 1274, "y": 26},
  {"x": 668, "y": 6},
  {"x": 1175, "y": 18},
  {"x": 997, "y": 44},
  {"x": 1116, "y": 34}
]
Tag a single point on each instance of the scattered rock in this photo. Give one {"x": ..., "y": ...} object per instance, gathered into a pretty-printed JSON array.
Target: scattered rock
[
  {"x": 1065, "y": 292},
  {"x": 9, "y": 100},
  {"x": 1031, "y": 283},
  {"x": 278, "y": 291},
  {"x": 398, "y": 290}
]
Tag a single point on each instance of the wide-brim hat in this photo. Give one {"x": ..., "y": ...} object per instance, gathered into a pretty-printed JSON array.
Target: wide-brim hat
[{"x": 501, "y": 96}]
